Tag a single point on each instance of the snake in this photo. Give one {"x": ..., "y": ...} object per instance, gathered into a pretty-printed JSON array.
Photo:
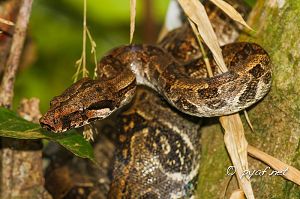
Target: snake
[
  {"x": 158, "y": 155},
  {"x": 119, "y": 72}
]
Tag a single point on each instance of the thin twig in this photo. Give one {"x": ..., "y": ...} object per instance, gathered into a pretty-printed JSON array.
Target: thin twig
[
  {"x": 7, "y": 84},
  {"x": 204, "y": 54},
  {"x": 81, "y": 63},
  {"x": 93, "y": 50},
  {"x": 197, "y": 13},
  {"x": 248, "y": 120},
  {"x": 84, "y": 38}
]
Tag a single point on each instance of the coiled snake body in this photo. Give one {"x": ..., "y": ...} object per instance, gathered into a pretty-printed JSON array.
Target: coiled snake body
[
  {"x": 155, "y": 152},
  {"x": 247, "y": 81},
  {"x": 158, "y": 151}
]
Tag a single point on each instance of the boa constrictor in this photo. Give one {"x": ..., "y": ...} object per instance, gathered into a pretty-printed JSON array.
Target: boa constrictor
[
  {"x": 246, "y": 82},
  {"x": 159, "y": 153}
]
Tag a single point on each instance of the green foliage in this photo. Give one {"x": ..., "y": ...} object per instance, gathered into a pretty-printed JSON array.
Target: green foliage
[
  {"x": 251, "y": 3},
  {"x": 55, "y": 35},
  {"x": 14, "y": 126}
]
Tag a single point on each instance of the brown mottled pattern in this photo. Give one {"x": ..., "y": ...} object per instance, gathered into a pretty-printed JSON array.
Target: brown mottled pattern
[
  {"x": 207, "y": 93},
  {"x": 152, "y": 150},
  {"x": 249, "y": 93},
  {"x": 88, "y": 100},
  {"x": 217, "y": 104},
  {"x": 180, "y": 41}
]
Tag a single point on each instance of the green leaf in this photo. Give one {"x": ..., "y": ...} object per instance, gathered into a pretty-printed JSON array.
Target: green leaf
[{"x": 13, "y": 126}]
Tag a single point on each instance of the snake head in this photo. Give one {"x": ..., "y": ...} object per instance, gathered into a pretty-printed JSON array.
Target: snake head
[{"x": 83, "y": 102}]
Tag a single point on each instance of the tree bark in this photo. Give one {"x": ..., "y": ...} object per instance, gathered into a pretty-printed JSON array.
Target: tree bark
[
  {"x": 276, "y": 119},
  {"x": 9, "y": 11},
  {"x": 21, "y": 172}
]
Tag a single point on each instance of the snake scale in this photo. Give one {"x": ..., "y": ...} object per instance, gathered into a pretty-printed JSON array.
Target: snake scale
[
  {"x": 154, "y": 157},
  {"x": 159, "y": 146}
]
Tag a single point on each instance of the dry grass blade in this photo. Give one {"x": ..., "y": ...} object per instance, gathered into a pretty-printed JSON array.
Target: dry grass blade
[
  {"x": 81, "y": 63},
  {"x": 234, "y": 132},
  {"x": 237, "y": 194},
  {"x": 163, "y": 32},
  {"x": 205, "y": 58},
  {"x": 248, "y": 120},
  {"x": 132, "y": 18},
  {"x": 236, "y": 145},
  {"x": 196, "y": 12},
  {"x": 231, "y": 12},
  {"x": 292, "y": 173},
  {"x": 7, "y": 22},
  {"x": 93, "y": 50}
]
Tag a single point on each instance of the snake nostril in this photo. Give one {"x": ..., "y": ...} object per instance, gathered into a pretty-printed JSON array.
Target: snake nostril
[{"x": 46, "y": 126}]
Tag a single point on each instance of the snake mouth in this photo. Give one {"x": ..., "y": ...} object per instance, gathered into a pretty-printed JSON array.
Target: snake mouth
[
  {"x": 73, "y": 120},
  {"x": 46, "y": 126},
  {"x": 48, "y": 122}
]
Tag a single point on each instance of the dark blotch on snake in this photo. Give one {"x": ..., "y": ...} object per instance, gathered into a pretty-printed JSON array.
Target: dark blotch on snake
[
  {"x": 149, "y": 196},
  {"x": 101, "y": 105},
  {"x": 142, "y": 96},
  {"x": 208, "y": 93},
  {"x": 249, "y": 92},
  {"x": 217, "y": 104},
  {"x": 171, "y": 162},
  {"x": 67, "y": 119},
  {"x": 185, "y": 105},
  {"x": 257, "y": 71},
  {"x": 267, "y": 78}
]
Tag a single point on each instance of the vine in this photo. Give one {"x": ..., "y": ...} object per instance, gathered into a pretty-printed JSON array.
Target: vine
[{"x": 81, "y": 63}]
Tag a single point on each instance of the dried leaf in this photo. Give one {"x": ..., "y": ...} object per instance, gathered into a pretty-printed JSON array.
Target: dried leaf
[
  {"x": 234, "y": 137},
  {"x": 236, "y": 145},
  {"x": 292, "y": 173},
  {"x": 163, "y": 32},
  {"x": 231, "y": 12},
  {"x": 205, "y": 58},
  {"x": 237, "y": 194},
  {"x": 132, "y": 18},
  {"x": 248, "y": 120},
  {"x": 196, "y": 12}
]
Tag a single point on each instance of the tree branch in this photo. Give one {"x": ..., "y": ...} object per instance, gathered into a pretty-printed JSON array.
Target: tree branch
[{"x": 7, "y": 84}]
